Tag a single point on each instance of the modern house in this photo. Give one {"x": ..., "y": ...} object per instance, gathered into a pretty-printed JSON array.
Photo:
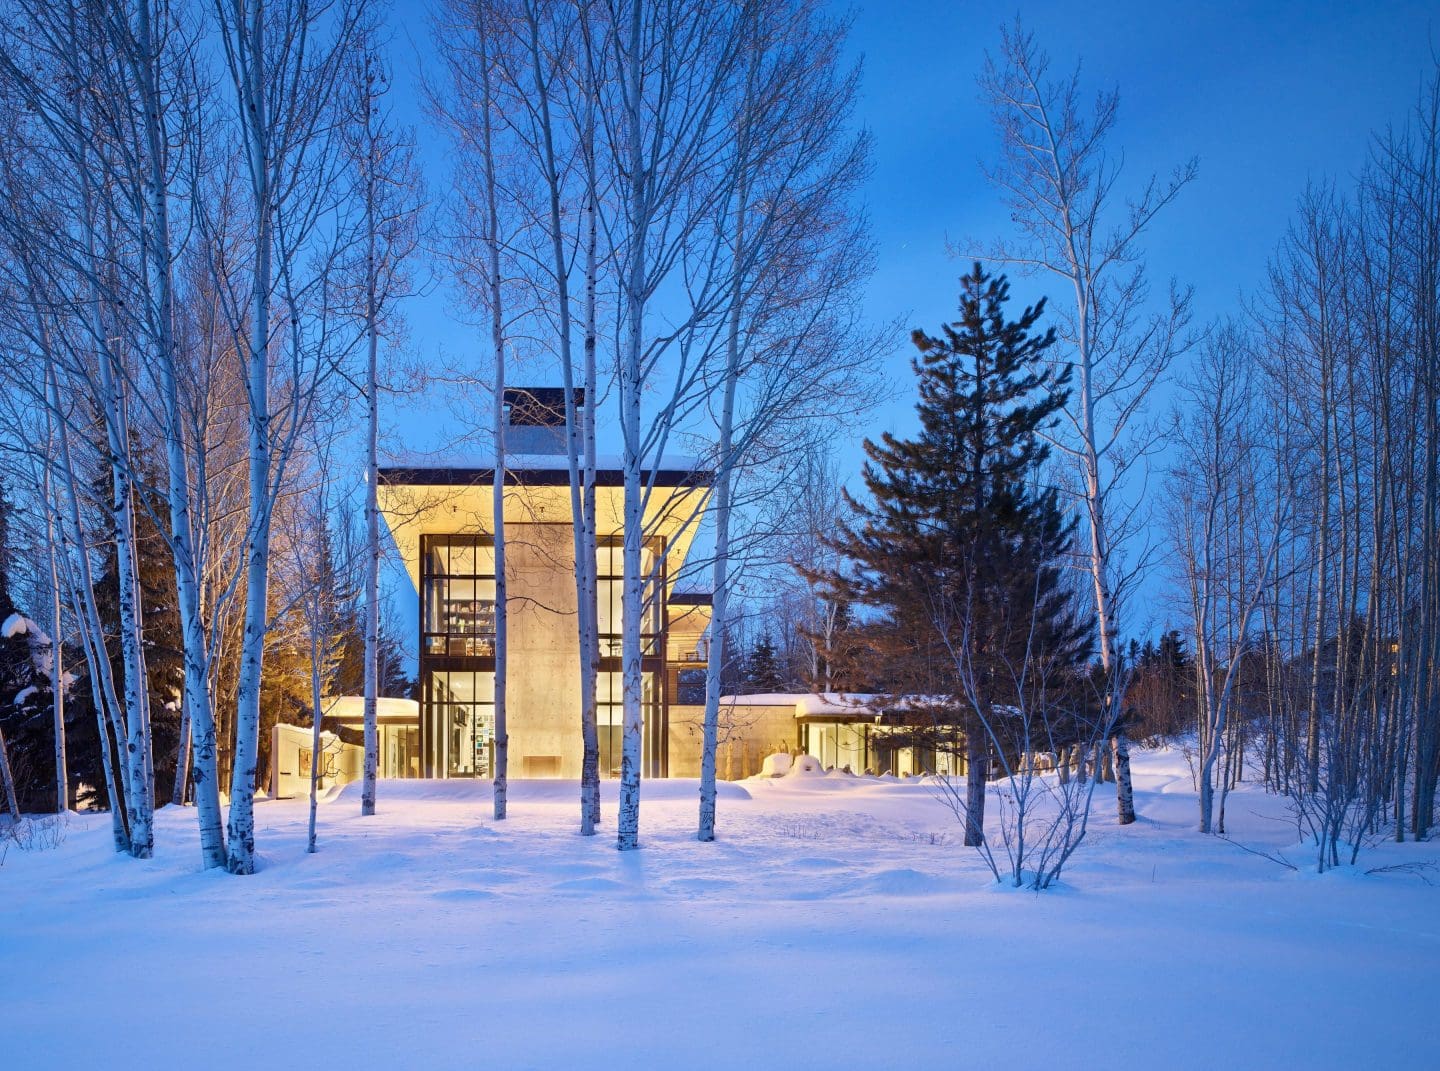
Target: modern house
[
  {"x": 442, "y": 520},
  {"x": 441, "y": 517}
]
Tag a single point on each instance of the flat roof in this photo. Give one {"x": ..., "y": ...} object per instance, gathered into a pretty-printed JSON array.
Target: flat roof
[
  {"x": 537, "y": 470},
  {"x": 533, "y": 476}
]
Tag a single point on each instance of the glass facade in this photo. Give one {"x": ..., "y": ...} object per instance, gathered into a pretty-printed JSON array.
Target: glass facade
[
  {"x": 609, "y": 596},
  {"x": 610, "y": 720},
  {"x": 399, "y": 750},
  {"x": 459, "y": 710},
  {"x": 457, "y": 660},
  {"x": 457, "y": 657},
  {"x": 459, "y": 598},
  {"x": 878, "y": 749}
]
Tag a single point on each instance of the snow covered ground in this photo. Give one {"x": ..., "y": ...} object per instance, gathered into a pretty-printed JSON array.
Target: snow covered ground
[{"x": 838, "y": 923}]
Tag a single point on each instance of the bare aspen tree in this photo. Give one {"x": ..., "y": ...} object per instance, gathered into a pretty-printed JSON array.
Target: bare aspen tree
[
  {"x": 477, "y": 39},
  {"x": 1231, "y": 508},
  {"x": 550, "y": 117},
  {"x": 284, "y": 71},
  {"x": 386, "y": 185},
  {"x": 784, "y": 339},
  {"x": 1061, "y": 185},
  {"x": 665, "y": 136},
  {"x": 58, "y": 689}
]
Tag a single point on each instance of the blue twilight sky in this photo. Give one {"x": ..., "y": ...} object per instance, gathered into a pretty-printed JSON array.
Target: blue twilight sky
[{"x": 1267, "y": 95}]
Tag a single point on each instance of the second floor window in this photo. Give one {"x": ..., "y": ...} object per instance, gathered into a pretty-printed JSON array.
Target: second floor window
[
  {"x": 609, "y": 596},
  {"x": 458, "y": 588}
]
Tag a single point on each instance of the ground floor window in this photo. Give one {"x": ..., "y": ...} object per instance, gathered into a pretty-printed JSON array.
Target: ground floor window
[
  {"x": 460, "y": 719},
  {"x": 399, "y": 750},
  {"x": 866, "y": 748},
  {"x": 610, "y": 718},
  {"x": 841, "y": 746}
]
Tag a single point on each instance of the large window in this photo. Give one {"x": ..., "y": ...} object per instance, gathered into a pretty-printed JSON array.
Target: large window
[
  {"x": 690, "y": 687},
  {"x": 460, "y": 706},
  {"x": 609, "y": 600},
  {"x": 458, "y": 589},
  {"x": 610, "y": 717}
]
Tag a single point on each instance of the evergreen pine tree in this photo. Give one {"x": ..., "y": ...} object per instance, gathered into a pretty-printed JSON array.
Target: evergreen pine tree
[
  {"x": 957, "y": 543},
  {"x": 24, "y": 695},
  {"x": 161, "y": 639},
  {"x": 762, "y": 668}
]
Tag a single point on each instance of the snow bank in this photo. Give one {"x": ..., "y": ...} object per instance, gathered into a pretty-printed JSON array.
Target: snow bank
[
  {"x": 805, "y": 766},
  {"x": 429, "y": 933},
  {"x": 521, "y": 790},
  {"x": 776, "y": 765}
]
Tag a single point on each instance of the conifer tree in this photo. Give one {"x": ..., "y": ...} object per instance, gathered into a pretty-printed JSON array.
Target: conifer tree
[
  {"x": 24, "y": 694},
  {"x": 958, "y": 546},
  {"x": 762, "y": 668}
]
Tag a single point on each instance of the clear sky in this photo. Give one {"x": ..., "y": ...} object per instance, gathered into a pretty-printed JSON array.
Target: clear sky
[{"x": 1266, "y": 95}]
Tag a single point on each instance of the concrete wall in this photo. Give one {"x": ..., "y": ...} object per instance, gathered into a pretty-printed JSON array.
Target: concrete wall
[{"x": 543, "y": 681}]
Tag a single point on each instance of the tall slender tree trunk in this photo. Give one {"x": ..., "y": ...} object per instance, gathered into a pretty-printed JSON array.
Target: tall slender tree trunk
[
  {"x": 257, "y": 546},
  {"x": 317, "y": 754},
  {"x": 82, "y": 591},
  {"x": 197, "y": 737},
  {"x": 632, "y": 301},
  {"x": 720, "y": 581},
  {"x": 590, "y": 642},
  {"x": 57, "y": 647},
  {"x": 372, "y": 502},
  {"x": 502, "y": 735}
]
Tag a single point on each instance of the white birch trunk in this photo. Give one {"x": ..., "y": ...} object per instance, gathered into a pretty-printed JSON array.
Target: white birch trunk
[
  {"x": 502, "y": 737},
  {"x": 57, "y": 645},
  {"x": 316, "y": 754},
  {"x": 82, "y": 588},
  {"x": 589, "y": 543},
  {"x": 251, "y": 79},
  {"x": 634, "y": 286},
  {"x": 139, "y": 791},
  {"x": 372, "y": 497},
  {"x": 197, "y": 737}
]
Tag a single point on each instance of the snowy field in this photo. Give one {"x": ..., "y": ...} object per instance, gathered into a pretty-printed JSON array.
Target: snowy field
[{"x": 838, "y": 923}]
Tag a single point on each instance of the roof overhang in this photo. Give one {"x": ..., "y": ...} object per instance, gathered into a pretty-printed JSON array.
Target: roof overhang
[{"x": 418, "y": 501}]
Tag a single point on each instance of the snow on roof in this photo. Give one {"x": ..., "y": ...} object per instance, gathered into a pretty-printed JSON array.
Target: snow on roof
[
  {"x": 387, "y": 708},
  {"x": 807, "y": 704}
]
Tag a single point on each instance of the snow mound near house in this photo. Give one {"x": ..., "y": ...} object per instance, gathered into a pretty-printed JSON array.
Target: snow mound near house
[
  {"x": 805, "y": 766},
  {"x": 776, "y": 765}
]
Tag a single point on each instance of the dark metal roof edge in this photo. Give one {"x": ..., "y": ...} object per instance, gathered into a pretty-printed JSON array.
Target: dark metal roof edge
[
  {"x": 415, "y": 476},
  {"x": 692, "y": 598}
]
